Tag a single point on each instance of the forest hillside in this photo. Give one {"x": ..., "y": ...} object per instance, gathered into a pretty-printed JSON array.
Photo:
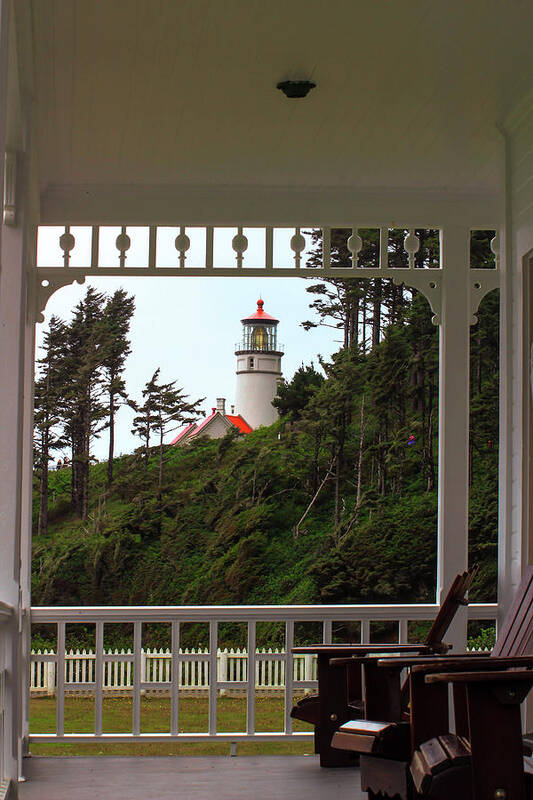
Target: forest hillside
[{"x": 334, "y": 503}]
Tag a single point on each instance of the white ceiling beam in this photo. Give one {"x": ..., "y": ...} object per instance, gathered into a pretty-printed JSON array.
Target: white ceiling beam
[{"x": 276, "y": 206}]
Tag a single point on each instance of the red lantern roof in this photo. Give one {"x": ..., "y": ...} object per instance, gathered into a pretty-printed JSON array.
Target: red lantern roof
[{"x": 260, "y": 314}]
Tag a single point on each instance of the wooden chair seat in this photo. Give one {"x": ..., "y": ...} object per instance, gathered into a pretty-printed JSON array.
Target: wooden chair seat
[
  {"x": 376, "y": 738},
  {"x": 441, "y": 769}
]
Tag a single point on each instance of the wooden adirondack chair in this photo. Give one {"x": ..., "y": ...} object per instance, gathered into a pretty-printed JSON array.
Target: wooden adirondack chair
[
  {"x": 388, "y": 743},
  {"x": 486, "y": 760},
  {"x": 344, "y": 696}
]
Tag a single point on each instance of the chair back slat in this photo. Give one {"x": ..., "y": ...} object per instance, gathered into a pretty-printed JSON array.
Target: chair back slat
[
  {"x": 456, "y": 597},
  {"x": 516, "y": 635}
]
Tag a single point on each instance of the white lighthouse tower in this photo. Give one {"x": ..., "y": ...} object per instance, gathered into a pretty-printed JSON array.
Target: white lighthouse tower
[{"x": 258, "y": 368}]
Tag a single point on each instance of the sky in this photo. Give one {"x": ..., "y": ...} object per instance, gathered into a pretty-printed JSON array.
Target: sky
[{"x": 188, "y": 327}]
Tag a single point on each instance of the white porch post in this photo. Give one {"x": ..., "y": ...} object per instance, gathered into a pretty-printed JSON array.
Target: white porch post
[
  {"x": 16, "y": 425},
  {"x": 452, "y": 551},
  {"x": 26, "y": 523},
  {"x": 12, "y": 316},
  {"x": 515, "y": 548},
  {"x": 13, "y": 296},
  {"x": 515, "y": 545}
]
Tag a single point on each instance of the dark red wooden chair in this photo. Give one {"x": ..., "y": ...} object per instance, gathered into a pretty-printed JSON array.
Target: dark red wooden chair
[
  {"x": 344, "y": 691},
  {"x": 487, "y": 759},
  {"x": 388, "y": 744}
]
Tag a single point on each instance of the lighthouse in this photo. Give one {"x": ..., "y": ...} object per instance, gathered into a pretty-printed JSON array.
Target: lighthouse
[{"x": 258, "y": 368}]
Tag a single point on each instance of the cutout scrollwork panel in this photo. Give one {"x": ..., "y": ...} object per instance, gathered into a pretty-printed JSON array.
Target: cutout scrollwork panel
[{"x": 44, "y": 288}]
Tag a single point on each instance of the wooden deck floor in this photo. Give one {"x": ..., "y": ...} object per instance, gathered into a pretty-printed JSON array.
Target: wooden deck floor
[{"x": 181, "y": 778}]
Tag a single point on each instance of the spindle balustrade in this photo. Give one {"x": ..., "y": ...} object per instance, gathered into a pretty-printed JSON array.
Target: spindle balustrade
[{"x": 177, "y": 671}]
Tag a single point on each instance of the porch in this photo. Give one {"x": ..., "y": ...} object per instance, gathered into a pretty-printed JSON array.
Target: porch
[
  {"x": 234, "y": 774},
  {"x": 149, "y": 116},
  {"x": 195, "y": 778}
]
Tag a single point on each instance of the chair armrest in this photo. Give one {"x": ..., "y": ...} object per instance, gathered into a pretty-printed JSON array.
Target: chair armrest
[
  {"x": 365, "y": 656},
  {"x": 361, "y": 649},
  {"x": 499, "y": 676},
  {"x": 412, "y": 661},
  {"x": 345, "y": 662},
  {"x": 490, "y": 665}
]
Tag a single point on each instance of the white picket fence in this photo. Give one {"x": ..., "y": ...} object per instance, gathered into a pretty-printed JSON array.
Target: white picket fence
[{"x": 156, "y": 665}]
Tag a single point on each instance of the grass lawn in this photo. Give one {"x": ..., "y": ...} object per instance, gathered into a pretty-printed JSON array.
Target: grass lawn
[{"x": 155, "y": 717}]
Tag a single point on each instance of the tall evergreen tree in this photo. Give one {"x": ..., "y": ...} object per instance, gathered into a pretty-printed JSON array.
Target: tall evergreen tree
[
  {"x": 118, "y": 312},
  {"x": 362, "y": 307},
  {"x": 293, "y": 396},
  {"x": 49, "y": 388},
  {"x": 146, "y": 419},
  {"x": 165, "y": 408},
  {"x": 172, "y": 411},
  {"x": 84, "y": 411},
  {"x": 329, "y": 415}
]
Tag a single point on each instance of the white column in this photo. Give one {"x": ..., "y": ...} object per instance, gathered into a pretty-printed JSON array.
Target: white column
[
  {"x": 12, "y": 479},
  {"x": 26, "y": 525},
  {"x": 452, "y": 551},
  {"x": 515, "y": 342},
  {"x": 514, "y": 427},
  {"x": 514, "y": 334},
  {"x": 12, "y": 351},
  {"x": 16, "y": 420},
  {"x": 515, "y": 524}
]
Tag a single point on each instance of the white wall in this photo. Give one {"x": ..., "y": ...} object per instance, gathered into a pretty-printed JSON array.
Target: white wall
[
  {"x": 256, "y": 388},
  {"x": 216, "y": 428}
]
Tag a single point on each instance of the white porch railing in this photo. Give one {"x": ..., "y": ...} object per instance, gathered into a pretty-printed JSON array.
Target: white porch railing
[{"x": 295, "y": 679}]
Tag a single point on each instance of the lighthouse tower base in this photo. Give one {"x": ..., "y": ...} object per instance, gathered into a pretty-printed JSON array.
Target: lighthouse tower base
[{"x": 256, "y": 388}]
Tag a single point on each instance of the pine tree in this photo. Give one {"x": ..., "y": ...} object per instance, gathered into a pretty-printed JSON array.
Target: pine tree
[
  {"x": 144, "y": 422},
  {"x": 293, "y": 396},
  {"x": 165, "y": 408},
  {"x": 328, "y": 416},
  {"x": 172, "y": 410},
  {"x": 338, "y": 305},
  {"x": 356, "y": 305},
  {"x": 118, "y": 312},
  {"x": 84, "y": 412},
  {"x": 49, "y": 388}
]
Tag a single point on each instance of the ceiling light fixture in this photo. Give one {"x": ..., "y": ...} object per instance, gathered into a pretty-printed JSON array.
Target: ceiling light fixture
[{"x": 295, "y": 89}]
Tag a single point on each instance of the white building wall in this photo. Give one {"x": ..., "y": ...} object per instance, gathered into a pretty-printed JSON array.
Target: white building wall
[
  {"x": 256, "y": 388},
  {"x": 216, "y": 429}
]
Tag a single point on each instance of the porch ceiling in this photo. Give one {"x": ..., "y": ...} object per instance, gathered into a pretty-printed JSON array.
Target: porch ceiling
[{"x": 182, "y": 93}]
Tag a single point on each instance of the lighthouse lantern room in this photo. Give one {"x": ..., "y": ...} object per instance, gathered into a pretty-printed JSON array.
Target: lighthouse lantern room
[{"x": 258, "y": 368}]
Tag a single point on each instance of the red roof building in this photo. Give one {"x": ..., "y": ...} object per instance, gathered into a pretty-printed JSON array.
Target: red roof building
[
  {"x": 215, "y": 426},
  {"x": 239, "y": 422}
]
